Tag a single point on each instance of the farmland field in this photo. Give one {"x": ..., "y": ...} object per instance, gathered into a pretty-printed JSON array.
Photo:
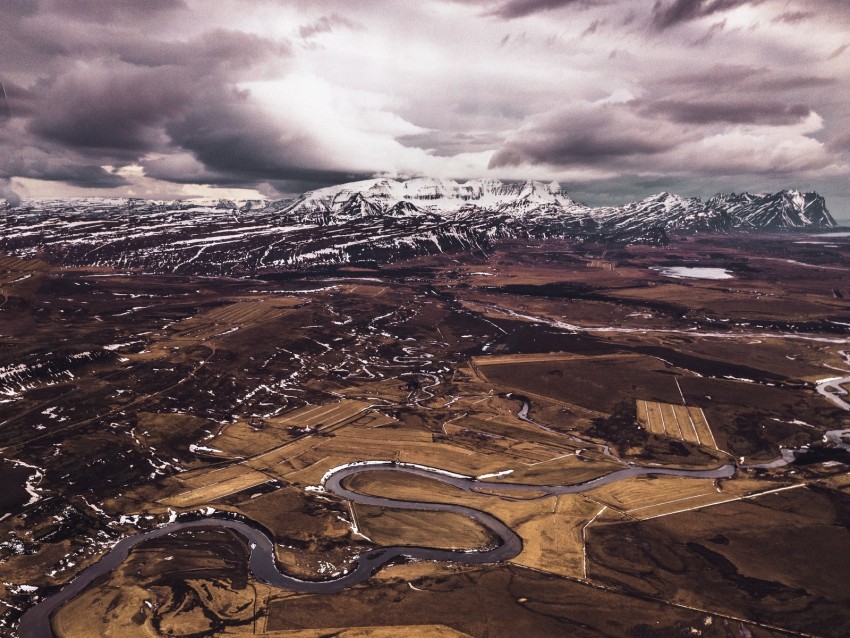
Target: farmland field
[{"x": 675, "y": 421}]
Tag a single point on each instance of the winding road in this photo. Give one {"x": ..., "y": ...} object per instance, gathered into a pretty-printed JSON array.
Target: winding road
[{"x": 35, "y": 623}]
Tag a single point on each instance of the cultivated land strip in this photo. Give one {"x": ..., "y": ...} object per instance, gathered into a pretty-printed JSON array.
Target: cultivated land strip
[{"x": 685, "y": 423}]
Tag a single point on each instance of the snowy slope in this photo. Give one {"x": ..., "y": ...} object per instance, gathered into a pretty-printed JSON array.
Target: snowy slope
[
  {"x": 437, "y": 196},
  {"x": 787, "y": 209},
  {"x": 375, "y": 221}
]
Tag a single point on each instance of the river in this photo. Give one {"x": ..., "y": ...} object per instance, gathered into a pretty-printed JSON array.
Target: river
[
  {"x": 35, "y": 623},
  {"x": 831, "y": 388}
]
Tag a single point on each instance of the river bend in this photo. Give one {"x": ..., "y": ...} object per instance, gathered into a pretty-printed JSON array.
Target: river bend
[{"x": 35, "y": 622}]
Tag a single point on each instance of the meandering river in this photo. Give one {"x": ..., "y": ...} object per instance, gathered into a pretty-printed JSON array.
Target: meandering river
[{"x": 35, "y": 623}]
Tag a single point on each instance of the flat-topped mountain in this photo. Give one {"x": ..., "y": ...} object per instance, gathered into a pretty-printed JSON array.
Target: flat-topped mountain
[
  {"x": 431, "y": 195},
  {"x": 377, "y": 220}
]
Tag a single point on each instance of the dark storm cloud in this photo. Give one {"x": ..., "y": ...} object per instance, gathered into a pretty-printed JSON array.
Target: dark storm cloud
[
  {"x": 327, "y": 24},
  {"x": 24, "y": 159},
  {"x": 117, "y": 108},
  {"x": 591, "y": 135},
  {"x": 237, "y": 143},
  {"x": 14, "y": 11},
  {"x": 446, "y": 144},
  {"x": 5, "y": 109},
  {"x": 834, "y": 9},
  {"x": 520, "y": 8},
  {"x": 717, "y": 76},
  {"x": 85, "y": 176},
  {"x": 669, "y": 135},
  {"x": 593, "y": 28},
  {"x": 793, "y": 17},
  {"x": 732, "y": 78},
  {"x": 231, "y": 134},
  {"x": 792, "y": 82},
  {"x": 666, "y": 14},
  {"x": 715, "y": 29},
  {"x": 20, "y": 102},
  {"x": 726, "y": 111},
  {"x": 841, "y": 143},
  {"x": 109, "y": 10},
  {"x": 115, "y": 98},
  {"x": 55, "y": 46},
  {"x": 7, "y": 193},
  {"x": 217, "y": 51},
  {"x": 188, "y": 170}
]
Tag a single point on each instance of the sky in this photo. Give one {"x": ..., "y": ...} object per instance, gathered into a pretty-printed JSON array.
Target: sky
[{"x": 614, "y": 99}]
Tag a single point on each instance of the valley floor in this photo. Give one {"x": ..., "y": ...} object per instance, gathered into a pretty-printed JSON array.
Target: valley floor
[{"x": 132, "y": 401}]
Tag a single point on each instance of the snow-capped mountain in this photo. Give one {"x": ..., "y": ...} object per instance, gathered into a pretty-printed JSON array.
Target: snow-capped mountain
[
  {"x": 372, "y": 221},
  {"x": 421, "y": 196},
  {"x": 549, "y": 203},
  {"x": 671, "y": 212},
  {"x": 788, "y": 209}
]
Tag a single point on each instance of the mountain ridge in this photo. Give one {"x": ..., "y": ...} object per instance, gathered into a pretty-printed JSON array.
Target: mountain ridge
[{"x": 372, "y": 221}]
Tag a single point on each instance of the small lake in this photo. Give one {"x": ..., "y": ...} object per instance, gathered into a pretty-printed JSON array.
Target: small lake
[{"x": 696, "y": 272}]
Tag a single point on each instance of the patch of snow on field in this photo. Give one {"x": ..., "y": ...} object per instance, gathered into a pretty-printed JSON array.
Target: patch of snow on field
[
  {"x": 33, "y": 481},
  {"x": 339, "y": 468},
  {"x": 116, "y": 346},
  {"x": 494, "y": 475},
  {"x": 839, "y": 438},
  {"x": 204, "y": 449}
]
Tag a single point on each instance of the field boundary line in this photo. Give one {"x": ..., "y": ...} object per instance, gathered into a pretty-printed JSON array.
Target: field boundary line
[
  {"x": 675, "y": 500},
  {"x": 676, "y": 419},
  {"x": 544, "y": 357},
  {"x": 688, "y": 411},
  {"x": 663, "y": 421},
  {"x": 584, "y": 540},
  {"x": 693, "y": 425},
  {"x": 731, "y": 500},
  {"x": 708, "y": 427},
  {"x": 562, "y": 456}
]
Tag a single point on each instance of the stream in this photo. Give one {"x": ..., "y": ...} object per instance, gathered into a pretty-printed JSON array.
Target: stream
[{"x": 35, "y": 622}]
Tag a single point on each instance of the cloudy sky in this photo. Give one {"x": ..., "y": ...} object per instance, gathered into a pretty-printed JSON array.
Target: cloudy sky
[{"x": 616, "y": 99}]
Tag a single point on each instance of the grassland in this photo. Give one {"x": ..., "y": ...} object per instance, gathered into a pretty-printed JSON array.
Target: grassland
[
  {"x": 584, "y": 381},
  {"x": 445, "y": 530},
  {"x": 758, "y": 555}
]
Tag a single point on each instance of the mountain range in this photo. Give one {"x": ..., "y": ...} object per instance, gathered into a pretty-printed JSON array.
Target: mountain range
[{"x": 371, "y": 221}]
